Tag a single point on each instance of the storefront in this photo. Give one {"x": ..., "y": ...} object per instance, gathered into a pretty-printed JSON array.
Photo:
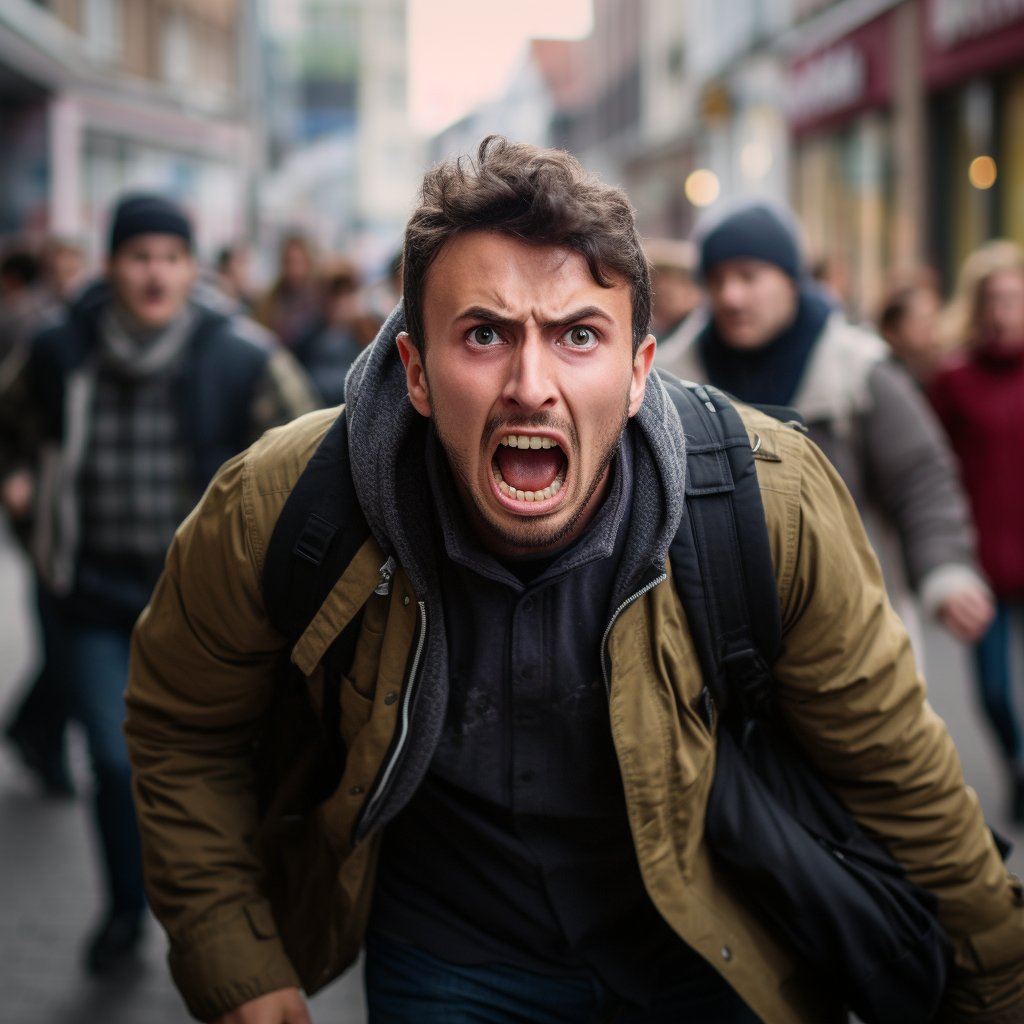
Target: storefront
[
  {"x": 974, "y": 70},
  {"x": 839, "y": 102},
  {"x": 908, "y": 140}
]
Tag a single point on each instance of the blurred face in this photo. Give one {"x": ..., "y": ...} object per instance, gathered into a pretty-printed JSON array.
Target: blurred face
[
  {"x": 914, "y": 334},
  {"x": 1001, "y": 307},
  {"x": 529, "y": 375},
  {"x": 236, "y": 272},
  {"x": 65, "y": 267},
  {"x": 343, "y": 307},
  {"x": 751, "y": 301},
  {"x": 295, "y": 265},
  {"x": 152, "y": 276},
  {"x": 675, "y": 296}
]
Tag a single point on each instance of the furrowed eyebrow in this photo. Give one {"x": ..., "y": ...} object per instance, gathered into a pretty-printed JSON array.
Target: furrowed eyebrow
[
  {"x": 488, "y": 316},
  {"x": 574, "y": 317}
]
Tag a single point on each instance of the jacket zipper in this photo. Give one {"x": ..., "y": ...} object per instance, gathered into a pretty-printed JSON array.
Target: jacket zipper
[
  {"x": 618, "y": 611},
  {"x": 384, "y": 777}
]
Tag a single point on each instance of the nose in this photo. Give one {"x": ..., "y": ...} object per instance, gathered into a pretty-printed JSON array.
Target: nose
[{"x": 530, "y": 386}]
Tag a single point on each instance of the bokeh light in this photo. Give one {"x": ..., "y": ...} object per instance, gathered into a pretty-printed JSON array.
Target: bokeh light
[
  {"x": 702, "y": 187},
  {"x": 982, "y": 172}
]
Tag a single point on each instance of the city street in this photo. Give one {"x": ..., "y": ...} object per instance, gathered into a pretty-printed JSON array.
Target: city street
[{"x": 48, "y": 871}]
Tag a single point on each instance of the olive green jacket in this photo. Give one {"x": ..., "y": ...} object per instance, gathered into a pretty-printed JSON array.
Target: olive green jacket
[{"x": 255, "y": 876}]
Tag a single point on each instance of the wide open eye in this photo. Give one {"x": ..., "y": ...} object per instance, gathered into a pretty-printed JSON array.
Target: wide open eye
[
  {"x": 580, "y": 337},
  {"x": 484, "y": 335}
]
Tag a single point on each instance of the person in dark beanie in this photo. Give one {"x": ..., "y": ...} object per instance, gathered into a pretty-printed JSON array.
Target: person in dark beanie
[
  {"x": 142, "y": 394},
  {"x": 769, "y": 335}
]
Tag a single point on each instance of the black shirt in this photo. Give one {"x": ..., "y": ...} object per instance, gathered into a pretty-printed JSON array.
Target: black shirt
[{"x": 516, "y": 849}]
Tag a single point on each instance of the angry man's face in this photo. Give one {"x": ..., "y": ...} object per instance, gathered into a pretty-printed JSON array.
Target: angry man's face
[{"x": 529, "y": 375}]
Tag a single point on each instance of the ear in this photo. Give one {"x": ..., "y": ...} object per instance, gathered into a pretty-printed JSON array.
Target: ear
[
  {"x": 642, "y": 363},
  {"x": 415, "y": 375}
]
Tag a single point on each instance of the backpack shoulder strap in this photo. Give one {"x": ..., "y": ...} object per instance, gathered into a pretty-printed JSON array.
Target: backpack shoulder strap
[
  {"x": 317, "y": 534},
  {"x": 721, "y": 557}
]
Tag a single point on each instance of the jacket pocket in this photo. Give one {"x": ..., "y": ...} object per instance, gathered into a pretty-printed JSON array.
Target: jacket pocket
[{"x": 355, "y": 710}]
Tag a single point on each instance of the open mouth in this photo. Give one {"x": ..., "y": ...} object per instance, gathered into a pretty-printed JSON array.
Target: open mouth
[{"x": 529, "y": 468}]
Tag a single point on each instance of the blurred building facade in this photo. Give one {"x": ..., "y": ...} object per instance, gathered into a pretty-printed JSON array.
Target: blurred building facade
[
  {"x": 100, "y": 96},
  {"x": 895, "y": 127},
  {"x": 907, "y": 121},
  {"x": 344, "y": 160}
]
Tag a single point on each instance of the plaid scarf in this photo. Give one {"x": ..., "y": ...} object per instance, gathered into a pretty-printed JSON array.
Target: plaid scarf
[{"x": 136, "y": 480}]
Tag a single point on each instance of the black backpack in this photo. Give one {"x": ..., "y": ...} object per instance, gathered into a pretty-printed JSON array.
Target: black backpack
[{"x": 837, "y": 897}]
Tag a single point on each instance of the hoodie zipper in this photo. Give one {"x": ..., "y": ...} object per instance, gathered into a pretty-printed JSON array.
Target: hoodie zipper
[
  {"x": 618, "y": 611},
  {"x": 379, "y": 787}
]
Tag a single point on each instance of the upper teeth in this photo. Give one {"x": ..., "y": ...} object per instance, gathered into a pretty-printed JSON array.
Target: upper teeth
[{"x": 523, "y": 441}]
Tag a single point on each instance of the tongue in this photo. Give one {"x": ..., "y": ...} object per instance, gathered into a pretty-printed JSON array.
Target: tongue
[{"x": 529, "y": 469}]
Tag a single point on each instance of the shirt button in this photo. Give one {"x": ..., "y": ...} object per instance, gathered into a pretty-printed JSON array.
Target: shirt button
[
  {"x": 356, "y": 791},
  {"x": 405, "y": 600},
  {"x": 528, "y": 605},
  {"x": 391, "y": 698},
  {"x": 726, "y": 954}
]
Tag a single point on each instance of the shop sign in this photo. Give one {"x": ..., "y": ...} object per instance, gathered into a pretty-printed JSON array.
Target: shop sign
[
  {"x": 967, "y": 38},
  {"x": 849, "y": 76},
  {"x": 955, "y": 21},
  {"x": 825, "y": 84}
]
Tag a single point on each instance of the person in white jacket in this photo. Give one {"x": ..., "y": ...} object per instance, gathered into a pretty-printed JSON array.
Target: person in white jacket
[{"x": 767, "y": 335}]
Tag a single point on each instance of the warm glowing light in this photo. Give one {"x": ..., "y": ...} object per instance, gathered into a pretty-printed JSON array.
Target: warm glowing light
[
  {"x": 702, "y": 187},
  {"x": 756, "y": 159},
  {"x": 982, "y": 172}
]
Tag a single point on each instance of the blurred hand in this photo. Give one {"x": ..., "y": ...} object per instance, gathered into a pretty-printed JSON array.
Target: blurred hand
[
  {"x": 17, "y": 492},
  {"x": 285, "y": 1006},
  {"x": 967, "y": 614}
]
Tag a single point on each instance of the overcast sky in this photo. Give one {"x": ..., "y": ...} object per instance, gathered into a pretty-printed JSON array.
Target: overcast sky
[{"x": 463, "y": 52}]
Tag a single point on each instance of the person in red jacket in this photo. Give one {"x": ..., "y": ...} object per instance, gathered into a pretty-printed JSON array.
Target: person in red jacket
[{"x": 979, "y": 396}]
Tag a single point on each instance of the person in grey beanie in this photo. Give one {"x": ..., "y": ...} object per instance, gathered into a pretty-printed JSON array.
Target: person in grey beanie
[
  {"x": 768, "y": 335},
  {"x": 142, "y": 394}
]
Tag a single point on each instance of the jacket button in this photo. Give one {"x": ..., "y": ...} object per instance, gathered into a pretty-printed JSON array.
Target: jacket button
[
  {"x": 356, "y": 791},
  {"x": 726, "y": 954},
  {"x": 391, "y": 698},
  {"x": 405, "y": 600}
]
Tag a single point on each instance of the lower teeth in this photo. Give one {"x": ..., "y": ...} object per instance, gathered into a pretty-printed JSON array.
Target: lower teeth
[{"x": 548, "y": 492}]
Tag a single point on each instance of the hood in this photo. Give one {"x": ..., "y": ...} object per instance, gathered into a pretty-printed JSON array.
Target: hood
[{"x": 387, "y": 449}]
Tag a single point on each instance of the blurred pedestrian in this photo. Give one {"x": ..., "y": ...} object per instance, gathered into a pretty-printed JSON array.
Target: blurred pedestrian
[
  {"x": 224, "y": 289},
  {"x": 979, "y": 396},
  {"x": 292, "y": 306},
  {"x": 63, "y": 270},
  {"x": 832, "y": 276},
  {"x": 31, "y": 298},
  {"x": 908, "y": 323},
  {"x": 771, "y": 337},
  {"x": 675, "y": 293},
  {"x": 22, "y": 303},
  {"x": 232, "y": 275},
  {"x": 332, "y": 344},
  {"x": 143, "y": 394}
]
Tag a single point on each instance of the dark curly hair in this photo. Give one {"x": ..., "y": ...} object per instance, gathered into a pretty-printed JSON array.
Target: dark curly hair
[{"x": 541, "y": 196}]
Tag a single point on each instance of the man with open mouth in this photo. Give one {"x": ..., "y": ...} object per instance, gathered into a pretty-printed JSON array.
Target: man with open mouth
[{"x": 489, "y": 760}]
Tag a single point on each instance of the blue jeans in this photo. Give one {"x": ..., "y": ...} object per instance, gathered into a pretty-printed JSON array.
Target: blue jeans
[
  {"x": 404, "y": 985},
  {"x": 992, "y": 659},
  {"x": 93, "y": 661}
]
